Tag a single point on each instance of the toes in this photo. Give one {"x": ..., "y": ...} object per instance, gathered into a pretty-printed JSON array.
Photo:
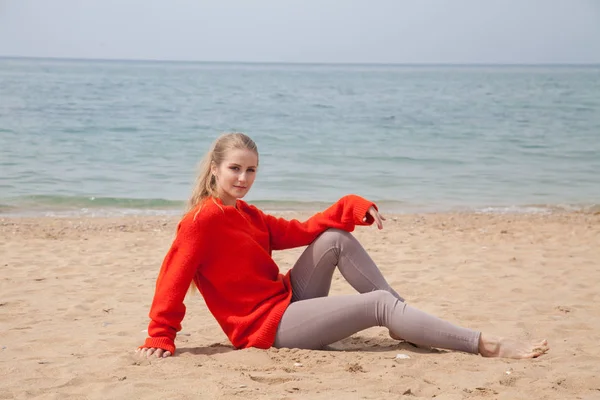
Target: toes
[{"x": 538, "y": 352}]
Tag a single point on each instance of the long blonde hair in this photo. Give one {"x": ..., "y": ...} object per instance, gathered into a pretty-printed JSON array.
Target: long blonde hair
[{"x": 206, "y": 184}]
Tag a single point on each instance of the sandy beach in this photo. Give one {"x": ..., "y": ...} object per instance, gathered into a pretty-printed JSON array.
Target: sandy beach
[{"x": 75, "y": 295}]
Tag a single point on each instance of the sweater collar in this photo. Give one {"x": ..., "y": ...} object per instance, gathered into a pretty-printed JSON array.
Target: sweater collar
[{"x": 238, "y": 203}]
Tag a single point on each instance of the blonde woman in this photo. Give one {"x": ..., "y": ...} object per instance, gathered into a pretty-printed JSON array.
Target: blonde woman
[{"x": 223, "y": 247}]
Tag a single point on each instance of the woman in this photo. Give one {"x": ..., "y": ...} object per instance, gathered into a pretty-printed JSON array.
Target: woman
[{"x": 223, "y": 247}]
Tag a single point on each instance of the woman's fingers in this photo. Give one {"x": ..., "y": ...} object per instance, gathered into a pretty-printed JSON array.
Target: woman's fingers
[
  {"x": 378, "y": 218},
  {"x": 148, "y": 352},
  {"x": 379, "y": 221},
  {"x": 142, "y": 351}
]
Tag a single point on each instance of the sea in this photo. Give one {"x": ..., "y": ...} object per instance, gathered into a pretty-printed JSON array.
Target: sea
[{"x": 112, "y": 138}]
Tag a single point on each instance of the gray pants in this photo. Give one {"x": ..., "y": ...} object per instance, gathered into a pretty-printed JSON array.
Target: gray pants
[{"x": 314, "y": 320}]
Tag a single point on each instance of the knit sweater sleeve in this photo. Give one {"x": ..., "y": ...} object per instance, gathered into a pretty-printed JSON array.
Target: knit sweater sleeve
[
  {"x": 345, "y": 214},
  {"x": 176, "y": 274}
]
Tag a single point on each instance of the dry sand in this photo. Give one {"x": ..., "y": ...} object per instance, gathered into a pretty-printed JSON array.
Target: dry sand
[{"x": 75, "y": 294}]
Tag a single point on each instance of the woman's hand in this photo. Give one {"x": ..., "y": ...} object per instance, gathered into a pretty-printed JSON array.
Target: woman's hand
[
  {"x": 148, "y": 351},
  {"x": 378, "y": 218}
]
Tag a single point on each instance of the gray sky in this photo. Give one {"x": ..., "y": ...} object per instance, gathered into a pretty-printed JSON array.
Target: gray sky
[{"x": 375, "y": 31}]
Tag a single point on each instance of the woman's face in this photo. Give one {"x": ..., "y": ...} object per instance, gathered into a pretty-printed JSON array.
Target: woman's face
[{"x": 235, "y": 175}]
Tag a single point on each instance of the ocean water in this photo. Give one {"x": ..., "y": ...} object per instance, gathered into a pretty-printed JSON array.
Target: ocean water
[{"x": 121, "y": 137}]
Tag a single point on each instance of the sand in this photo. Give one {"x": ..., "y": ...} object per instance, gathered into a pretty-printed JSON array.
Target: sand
[{"x": 75, "y": 295}]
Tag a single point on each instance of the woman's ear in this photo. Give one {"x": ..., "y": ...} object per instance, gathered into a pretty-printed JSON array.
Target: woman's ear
[{"x": 213, "y": 168}]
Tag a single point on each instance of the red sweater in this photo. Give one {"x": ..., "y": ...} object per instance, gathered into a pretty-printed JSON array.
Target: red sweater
[{"x": 226, "y": 251}]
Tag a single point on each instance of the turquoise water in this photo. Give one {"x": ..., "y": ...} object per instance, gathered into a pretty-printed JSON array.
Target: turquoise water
[{"x": 110, "y": 137}]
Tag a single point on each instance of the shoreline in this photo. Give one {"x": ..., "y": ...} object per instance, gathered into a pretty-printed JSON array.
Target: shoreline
[
  {"x": 84, "y": 206},
  {"x": 137, "y": 219},
  {"x": 299, "y": 208}
]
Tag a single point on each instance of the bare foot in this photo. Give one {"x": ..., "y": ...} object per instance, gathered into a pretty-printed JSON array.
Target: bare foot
[{"x": 490, "y": 346}]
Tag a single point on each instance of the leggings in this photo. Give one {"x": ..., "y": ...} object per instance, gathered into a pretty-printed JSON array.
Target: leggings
[{"x": 313, "y": 320}]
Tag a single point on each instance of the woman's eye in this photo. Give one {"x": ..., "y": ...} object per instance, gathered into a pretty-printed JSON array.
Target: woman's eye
[
  {"x": 251, "y": 170},
  {"x": 234, "y": 168}
]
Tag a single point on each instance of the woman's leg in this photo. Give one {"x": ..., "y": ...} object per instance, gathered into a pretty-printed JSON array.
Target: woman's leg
[
  {"x": 314, "y": 320},
  {"x": 317, "y": 322},
  {"x": 311, "y": 275}
]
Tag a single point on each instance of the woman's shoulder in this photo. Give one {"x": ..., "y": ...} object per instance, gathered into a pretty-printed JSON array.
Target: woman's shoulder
[
  {"x": 205, "y": 213},
  {"x": 248, "y": 208}
]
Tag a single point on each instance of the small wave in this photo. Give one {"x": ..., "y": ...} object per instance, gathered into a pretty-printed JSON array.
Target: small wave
[
  {"x": 70, "y": 206},
  {"x": 540, "y": 209},
  {"x": 513, "y": 210},
  {"x": 50, "y": 204}
]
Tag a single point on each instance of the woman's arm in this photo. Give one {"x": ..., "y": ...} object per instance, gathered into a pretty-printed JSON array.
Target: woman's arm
[
  {"x": 345, "y": 214},
  {"x": 176, "y": 274}
]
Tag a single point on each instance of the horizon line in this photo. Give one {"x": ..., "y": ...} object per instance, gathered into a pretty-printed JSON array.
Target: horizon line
[{"x": 174, "y": 61}]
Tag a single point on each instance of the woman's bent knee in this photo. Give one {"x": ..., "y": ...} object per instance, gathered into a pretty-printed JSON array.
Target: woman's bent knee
[
  {"x": 335, "y": 235},
  {"x": 382, "y": 296},
  {"x": 381, "y": 304}
]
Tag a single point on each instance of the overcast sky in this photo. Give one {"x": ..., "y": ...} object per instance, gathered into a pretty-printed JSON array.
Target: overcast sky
[{"x": 375, "y": 31}]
